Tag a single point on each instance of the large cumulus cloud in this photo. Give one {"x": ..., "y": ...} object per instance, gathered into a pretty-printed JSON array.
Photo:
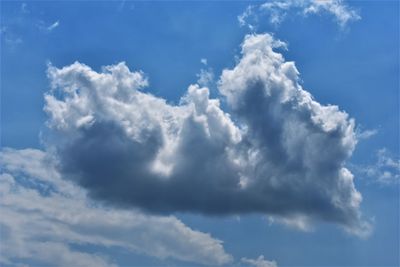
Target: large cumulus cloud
[{"x": 274, "y": 150}]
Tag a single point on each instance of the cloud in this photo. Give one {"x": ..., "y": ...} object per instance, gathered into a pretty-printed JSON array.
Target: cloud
[
  {"x": 9, "y": 37},
  {"x": 24, "y": 20},
  {"x": 24, "y": 8},
  {"x": 277, "y": 151},
  {"x": 297, "y": 222},
  {"x": 385, "y": 170},
  {"x": 366, "y": 134},
  {"x": 44, "y": 27},
  {"x": 277, "y": 11},
  {"x": 259, "y": 262},
  {"x": 53, "y": 26},
  {"x": 43, "y": 219},
  {"x": 248, "y": 15},
  {"x": 296, "y": 147},
  {"x": 205, "y": 77}
]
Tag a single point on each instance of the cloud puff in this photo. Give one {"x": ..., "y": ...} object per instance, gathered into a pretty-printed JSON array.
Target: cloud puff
[
  {"x": 205, "y": 77},
  {"x": 366, "y": 134},
  {"x": 278, "y": 10},
  {"x": 259, "y": 262},
  {"x": 53, "y": 26},
  {"x": 277, "y": 151},
  {"x": 43, "y": 218},
  {"x": 385, "y": 170}
]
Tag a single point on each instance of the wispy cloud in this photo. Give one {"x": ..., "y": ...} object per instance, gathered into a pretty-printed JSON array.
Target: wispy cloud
[
  {"x": 297, "y": 222},
  {"x": 206, "y": 75},
  {"x": 10, "y": 39},
  {"x": 24, "y": 20},
  {"x": 53, "y": 26},
  {"x": 277, "y": 11},
  {"x": 43, "y": 217},
  {"x": 385, "y": 170},
  {"x": 366, "y": 134},
  {"x": 24, "y": 8},
  {"x": 47, "y": 28}
]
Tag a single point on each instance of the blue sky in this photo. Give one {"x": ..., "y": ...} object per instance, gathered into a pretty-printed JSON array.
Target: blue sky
[{"x": 351, "y": 63}]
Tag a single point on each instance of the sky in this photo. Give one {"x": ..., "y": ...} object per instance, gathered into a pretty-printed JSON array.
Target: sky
[{"x": 203, "y": 133}]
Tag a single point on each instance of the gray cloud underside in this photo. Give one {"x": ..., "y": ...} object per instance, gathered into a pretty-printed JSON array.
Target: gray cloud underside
[
  {"x": 275, "y": 150},
  {"x": 44, "y": 217}
]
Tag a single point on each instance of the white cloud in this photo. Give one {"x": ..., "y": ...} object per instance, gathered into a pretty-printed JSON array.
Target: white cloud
[
  {"x": 45, "y": 27},
  {"x": 24, "y": 8},
  {"x": 53, "y": 26},
  {"x": 248, "y": 15},
  {"x": 10, "y": 38},
  {"x": 298, "y": 222},
  {"x": 366, "y": 133},
  {"x": 205, "y": 77},
  {"x": 278, "y": 152},
  {"x": 385, "y": 170},
  {"x": 341, "y": 12},
  {"x": 277, "y": 11},
  {"x": 44, "y": 216},
  {"x": 259, "y": 262}
]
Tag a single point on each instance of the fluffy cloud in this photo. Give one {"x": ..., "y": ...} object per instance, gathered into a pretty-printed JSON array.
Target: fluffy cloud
[
  {"x": 278, "y": 10},
  {"x": 277, "y": 151},
  {"x": 43, "y": 219},
  {"x": 259, "y": 262}
]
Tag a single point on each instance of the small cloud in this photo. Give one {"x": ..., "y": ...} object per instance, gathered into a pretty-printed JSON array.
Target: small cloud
[
  {"x": 297, "y": 222},
  {"x": 366, "y": 134},
  {"x": 47, "y": 28},
  {"x": 277, "y": 11},
  {"x": 205, "y": 77},
  {"x": 259, "y": 262},
  {"x": 60, "y": 215},
  {"x": 53, "y": 26},
  {"x": 248, "y": 18},
  {"x": 24, "y": 8},
  {"x": 385, "y": 170},
  {"x": 341, "y": 12},
  {"x": 10, "y": 38},
  {"x": 13, "y": 41}
]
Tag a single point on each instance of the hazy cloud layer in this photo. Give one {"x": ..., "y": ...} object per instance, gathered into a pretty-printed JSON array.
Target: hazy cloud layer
[
  {"x": 277, "y": 151},
  {"x": 43, "y": 219},
  {"x": 277, "y": 11}
]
